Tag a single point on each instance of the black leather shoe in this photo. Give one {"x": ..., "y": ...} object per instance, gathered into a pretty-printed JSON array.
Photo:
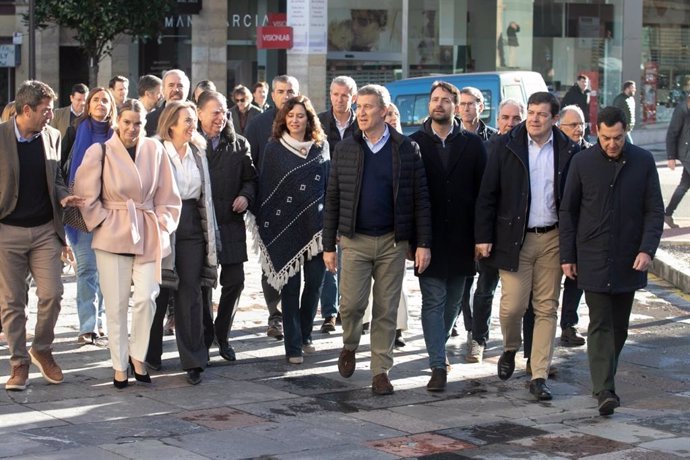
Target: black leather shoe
[
  {"x": 506, "y": 365},
  {"x": 226, "y": 351},
  {"x": 608, "y": 401},
  {"x": 194, "y": 376},
  {"x": 399, "y": 339},
  {"x": 539, "y": 389}
]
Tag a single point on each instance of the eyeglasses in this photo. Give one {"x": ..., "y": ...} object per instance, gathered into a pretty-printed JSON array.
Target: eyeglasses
[
  {"x": 238, "y": 101},
  {"x": 572, "y": 125}
]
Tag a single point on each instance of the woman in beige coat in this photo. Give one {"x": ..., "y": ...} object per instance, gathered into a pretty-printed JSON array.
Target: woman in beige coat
[{"x": 132, "y": 205}]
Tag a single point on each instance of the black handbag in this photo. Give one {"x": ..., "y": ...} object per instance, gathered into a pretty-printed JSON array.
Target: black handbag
[{"x": 71, "y": 215}]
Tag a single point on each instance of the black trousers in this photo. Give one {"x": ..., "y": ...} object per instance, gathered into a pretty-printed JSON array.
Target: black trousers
[
  {"x": 232, "y": 282},
  {"x": 609, "y": 317}
]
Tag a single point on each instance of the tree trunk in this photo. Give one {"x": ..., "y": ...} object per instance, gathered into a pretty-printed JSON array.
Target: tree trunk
[{"x": 93, "y": 72}]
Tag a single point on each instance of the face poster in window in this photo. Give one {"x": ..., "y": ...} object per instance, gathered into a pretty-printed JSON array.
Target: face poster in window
[{"x": 357, "y": 28}]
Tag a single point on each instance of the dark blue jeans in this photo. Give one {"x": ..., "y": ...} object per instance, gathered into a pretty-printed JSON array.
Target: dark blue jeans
[
  {"x": 299, "y": 313},
  {"x": 441, "y": 299},
  {"x": 483, "y": 298},
  {"x": 329, "y": 293}
]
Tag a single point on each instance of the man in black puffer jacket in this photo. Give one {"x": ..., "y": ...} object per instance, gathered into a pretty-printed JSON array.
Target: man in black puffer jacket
[
  {"x": 233, "y": 187},
  {"x": 377, "y": 202}
]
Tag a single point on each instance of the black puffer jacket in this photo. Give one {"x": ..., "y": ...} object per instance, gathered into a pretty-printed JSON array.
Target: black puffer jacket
[
  {"x": 611, "y": 211},
  {"x": 412, "y": 211},
  {"x": 504, "y": 197},
  {"x": 453, "y": 192},
  {"x": 232, "y": 174}
]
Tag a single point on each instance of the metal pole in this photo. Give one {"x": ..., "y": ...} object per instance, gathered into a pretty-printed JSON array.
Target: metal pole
[{"x": 32, "y": 40}]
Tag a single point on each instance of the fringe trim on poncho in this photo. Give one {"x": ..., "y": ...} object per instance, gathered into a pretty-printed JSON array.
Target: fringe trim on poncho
[{"x": 279, "y": 278}]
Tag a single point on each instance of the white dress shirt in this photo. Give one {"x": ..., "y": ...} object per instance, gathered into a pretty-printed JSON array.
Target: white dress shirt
[
  {"x": 542, "y": 211},
  {"x": 186, "y": 172}
]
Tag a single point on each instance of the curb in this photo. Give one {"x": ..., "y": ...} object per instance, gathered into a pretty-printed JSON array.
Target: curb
[{"x": 667, "y": 267}]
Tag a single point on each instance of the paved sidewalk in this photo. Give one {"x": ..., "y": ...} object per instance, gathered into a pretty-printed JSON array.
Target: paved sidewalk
[{"x": 260, "y": 406}]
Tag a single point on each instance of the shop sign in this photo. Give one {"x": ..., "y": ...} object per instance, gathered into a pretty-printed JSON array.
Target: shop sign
[
  {"x": 272, "y": 37},
  {"x": 9, "y": 56}
]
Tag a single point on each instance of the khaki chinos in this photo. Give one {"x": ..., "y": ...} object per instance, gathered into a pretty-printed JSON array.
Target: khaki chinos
[
  {"x": 539, "y": 271},
  {"x": 363, "y": 258}
]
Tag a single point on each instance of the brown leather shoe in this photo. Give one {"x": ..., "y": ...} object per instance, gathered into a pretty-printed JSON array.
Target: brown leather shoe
[
  {"x": 328, "y": 325},
  {"x": 571, "y": 338},
  {"x": 381, "y": 385},
  {"x": 17, "y": 381},
  {"x": 47, "y": 365},
  {"x": 346, "y": 363},
  {"x": 438, "y": 380}
]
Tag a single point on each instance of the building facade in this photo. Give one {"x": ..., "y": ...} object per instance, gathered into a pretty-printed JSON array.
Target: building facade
[{"x": 609, "y": 40}]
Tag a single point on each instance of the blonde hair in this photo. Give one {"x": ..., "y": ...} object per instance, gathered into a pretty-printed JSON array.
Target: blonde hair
[
  {"x": 9, "y": 111},
  {"x": 170, "y": 116}
]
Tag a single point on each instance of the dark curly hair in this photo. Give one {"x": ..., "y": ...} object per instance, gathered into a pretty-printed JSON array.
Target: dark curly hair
[{"x": 314, "y": 129}]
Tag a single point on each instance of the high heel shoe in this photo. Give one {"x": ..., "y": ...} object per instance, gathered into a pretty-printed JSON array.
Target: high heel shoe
[
  {"x": 144, "y": 378},
  {"x": 120, "y": 384}
]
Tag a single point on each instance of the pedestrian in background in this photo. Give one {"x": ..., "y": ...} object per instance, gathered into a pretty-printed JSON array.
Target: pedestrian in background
[
  {"x": 678, "y": 149},
  {"x": 94, "y": 127}
]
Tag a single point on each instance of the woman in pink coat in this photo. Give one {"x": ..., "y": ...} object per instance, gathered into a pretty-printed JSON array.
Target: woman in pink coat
[{"x": 132, "y": 205}]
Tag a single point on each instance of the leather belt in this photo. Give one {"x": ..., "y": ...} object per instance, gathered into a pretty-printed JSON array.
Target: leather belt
[{"x": 546, "y": 229}]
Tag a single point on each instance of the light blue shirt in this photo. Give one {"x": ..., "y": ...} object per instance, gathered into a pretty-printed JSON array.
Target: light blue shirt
[
  {"x": 542, "y": 212},
  {"x": 378, "y": 145},
  {"x": 19, "y": 136}
]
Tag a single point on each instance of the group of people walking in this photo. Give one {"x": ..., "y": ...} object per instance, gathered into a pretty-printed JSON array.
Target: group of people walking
[{"x": 337, "y": 201}]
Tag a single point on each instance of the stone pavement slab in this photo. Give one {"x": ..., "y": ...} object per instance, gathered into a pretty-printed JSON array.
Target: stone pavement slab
[{"x": 420, "y": 445}]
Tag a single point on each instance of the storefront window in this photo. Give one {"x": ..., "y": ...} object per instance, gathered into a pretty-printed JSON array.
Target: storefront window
[{"x": 665, "y": 58}]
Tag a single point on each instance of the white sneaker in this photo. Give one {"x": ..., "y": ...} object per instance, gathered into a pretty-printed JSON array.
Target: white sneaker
[
  {"x": 308, "y": 348},
  {"x": 295, "y": 360},
  {"x": 476, "y": 353}
]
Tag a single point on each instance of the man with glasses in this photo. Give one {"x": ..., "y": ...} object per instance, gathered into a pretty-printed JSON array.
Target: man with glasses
[
  {"x": 516, "y": 231},
  {"x": 469, "y": 109},
  {"x": 243, "y": 111}
]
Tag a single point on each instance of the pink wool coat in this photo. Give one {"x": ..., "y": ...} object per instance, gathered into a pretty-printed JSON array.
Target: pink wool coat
[{"x": 136, "y": 205}]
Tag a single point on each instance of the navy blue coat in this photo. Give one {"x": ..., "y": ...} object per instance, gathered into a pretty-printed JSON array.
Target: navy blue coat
[
  {"x": 453, "y": 192},
  {"x": 610, "y": 212}
]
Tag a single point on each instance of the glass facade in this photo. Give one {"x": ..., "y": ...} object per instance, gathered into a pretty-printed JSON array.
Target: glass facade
[
  {"x": 665, "y": 57},
  {"x": 558, "y": 39}
]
